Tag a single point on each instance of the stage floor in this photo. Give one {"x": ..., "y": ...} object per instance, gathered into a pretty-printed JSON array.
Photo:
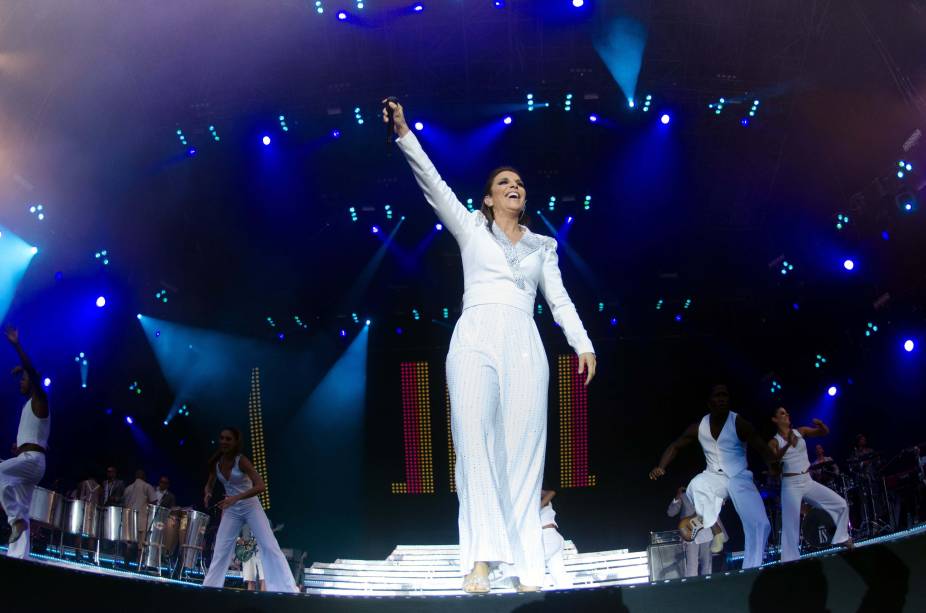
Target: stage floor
[{"x": 887, "y": 573}]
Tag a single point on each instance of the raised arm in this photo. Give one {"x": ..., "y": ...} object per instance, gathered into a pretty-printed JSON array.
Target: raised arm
[
  {"x": 257, "y": 482},
  {"x": 39, "y": 398},
  {"x": 689, "y": 436},
  {"x": 455, "y": 217},
  {"x": 818, "y": 429},
  {"x": 546, "y": 496},
  {"x": 564, "y": 311}
]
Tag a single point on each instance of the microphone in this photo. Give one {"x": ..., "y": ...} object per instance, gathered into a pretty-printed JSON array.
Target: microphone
[{"x": 390, "y": 126}]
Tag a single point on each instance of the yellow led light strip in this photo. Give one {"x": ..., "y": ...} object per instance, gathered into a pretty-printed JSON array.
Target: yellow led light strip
[{"x": 256, "y": 422}]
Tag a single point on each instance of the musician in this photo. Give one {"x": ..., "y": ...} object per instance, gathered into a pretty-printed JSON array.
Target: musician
[
  {"x": 163, "y": 496},
  {"x": 89, "y": 490},
  {"x": 698, "y": 556},
  {"x": 252, "y": 571},
  {"x": 789, "y": 446},
  {"x": 113, "y": 488},
  {"x": 823, "y": 469},
  {"x": 20, "y": 474}
]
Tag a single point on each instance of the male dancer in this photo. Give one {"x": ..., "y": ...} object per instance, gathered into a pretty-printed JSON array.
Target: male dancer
[
  {"x": 20, "y": 474},
  {"x": 723, "y": 434}
]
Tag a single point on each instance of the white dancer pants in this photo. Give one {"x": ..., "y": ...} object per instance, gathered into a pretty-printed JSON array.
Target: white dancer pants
[
  {"x": 279, "y": 577},
  {"x": 553, "y": 544},
  {"x": 802, "y": 487},
  {"x": 708, "y": 491},
  {"x": 698, "y": 554},
  {"x": 18, "y": 478},
  {"x": 497, "y": 373}
]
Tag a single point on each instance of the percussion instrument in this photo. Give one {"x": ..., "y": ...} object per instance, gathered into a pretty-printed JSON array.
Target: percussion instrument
[
  {"x": 817, "y": 529},
  {"x": 46, "y": 507},
  {"x": 111, "y": 524},
  {"x": 155, "y": 532},
  {"x": 129, "y": 528},
  {"x": 80, "y": 518},
  {"x": 193, "y": 526}
]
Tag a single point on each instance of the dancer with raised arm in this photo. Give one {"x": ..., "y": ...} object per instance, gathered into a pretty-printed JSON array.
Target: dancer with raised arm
[
  {"x": 239, "y": 507},
  {"x": 20, "y": 474},
  {"x": 723, "y": 435},
  {"x": 796, "y": 485},
  {"x": 497, "y": 369}
]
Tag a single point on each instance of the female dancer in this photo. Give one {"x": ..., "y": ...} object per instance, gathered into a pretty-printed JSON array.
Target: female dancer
[
  {"x": 797, "y": 486},
  {"x": 241, "y": 506},
  {"x": 497, "y": 368}
]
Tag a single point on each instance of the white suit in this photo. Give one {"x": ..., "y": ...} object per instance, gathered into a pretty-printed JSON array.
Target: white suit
[
  {"x": 727, "y": 476},
  {"x": 800, "y": 487},
  {"x": 20, "y": 475},
  {"x": 498, "y": 375}
]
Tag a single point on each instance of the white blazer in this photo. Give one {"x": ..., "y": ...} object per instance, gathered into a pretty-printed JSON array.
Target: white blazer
[{"x": 494, "y": 270}]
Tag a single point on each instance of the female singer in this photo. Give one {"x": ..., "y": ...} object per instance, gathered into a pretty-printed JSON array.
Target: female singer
[
  {"x": 497, "y": 368},
  {"x": 797, "y": 486},
  {"x": 241, "y": 506}
]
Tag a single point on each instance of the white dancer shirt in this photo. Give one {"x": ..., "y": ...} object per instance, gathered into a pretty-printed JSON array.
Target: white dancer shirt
[
  {"x": 795, "y": 458},
  {"x": 726, "y": 454},
  {"x": 32, "y": 429},
  {"x": 20, "y": 475}
]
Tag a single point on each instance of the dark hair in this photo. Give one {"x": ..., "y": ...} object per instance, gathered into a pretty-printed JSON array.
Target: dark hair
[
  {"x": 236, "y": 433},
  {"x": 858, "y": 439},
  {"x": 487, "y": 191}
]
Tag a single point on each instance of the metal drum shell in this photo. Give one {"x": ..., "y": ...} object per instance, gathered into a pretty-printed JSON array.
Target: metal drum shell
[
  {"x": 111, "y": 523},
  {"x": 129, "y": 529},
  {"x": 193, "y": 526},
  {"x": 80, "y": 518},
  {"x": 155, "y": 533},
  {"x": 46, "y": 507},
  {"x": 172, "y": 532}
]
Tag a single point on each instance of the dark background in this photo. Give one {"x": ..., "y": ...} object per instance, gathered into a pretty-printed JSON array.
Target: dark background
[{"x": 92, "y": 96}]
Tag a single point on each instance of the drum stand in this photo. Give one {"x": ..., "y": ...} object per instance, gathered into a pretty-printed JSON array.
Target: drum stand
[
  {"x": 146, "y": 549},
  {"x": 187, "y": 550},
  {"x": 871, "y": 525}
]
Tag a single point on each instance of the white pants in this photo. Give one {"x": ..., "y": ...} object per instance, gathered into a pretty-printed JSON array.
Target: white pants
[
  {"x": 802, "y": 487},
  {"x": 279, "y": 577},
  {"x": 498, "y": 374},
  {"x": 553, "y": 555},
  {"x": 698, "y": 555},
  {"x": 709, "y": 490},
  {"x": 18, "y": 478}
]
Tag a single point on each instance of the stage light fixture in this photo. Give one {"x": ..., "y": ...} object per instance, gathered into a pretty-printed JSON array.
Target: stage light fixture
[
  {"x": 129, "y": 420},
  {"x": 101, "y": 302},
  {"x": 102, "y": 256},
  {"x": 318, "y": 7},
  {"x": 659, "y": 304},
  {"x": 283, "y": 125},
  {"x": 593, "y": 118},
  {"x": 418, "y": 7},
  {"x": 38, "y": 210},
  {"x": 530, "y": 102},
  {"x": 569, "y": 219},
  {"x": 820, "y": 361},
  {"x": 265, "y": 140},
  {"x": 507, "y": 120},
  {"x": 355, "y": 318},
  {"x": 335, "y": 134},
  {"x": 647, "y": 102},
  {"x": 600, "y": 307},
  {"x": 33, "y": 250},
  {"x": 588, "y": 203},
  {"x": 578, "y": 3},
  {"x": 871, "y": 328},
  {"x": 375, "y": 229},
  {"x": 678, "y": 317},
  {"x": 388, "y": 209},
  {"x": 551, "y": 204},
  {"x": 416, "y": 315},
  {"x": 539, "y": 309},
  {"x": 717, "y": 106},
  {"x": 342, "y": 16},
  {"x": 613, "y": 321},
  {"x": 367, "y": 322},
  {"x": 215, "y": 135},
  {"x": 665, "y": 119},
  {"x": 567, "y": 105},
  {"x": 353, "y": 213},
  {"x": 358, "y": 116},
  {"x": 786, "y": 267},
  {"x": 445, "y": 312},
  {"x": 46, "y": 382},
  {"x": 191, "y": 151},
  {"x": 398, "y": 331},
  {"x": 342, "y": 333},
  {"x": 270, "y": 322},
  {"x": 775, "y": 387},
  {"x": 832, "y": 390},
  {"x": 687, "y": 304},
  {"x": 842, "y": 221},
  {"x": 135, "y": 387},
  {"x": 182, "y": 137},
  {"x": 161, "y": 295},
  {"x": 438, "y": 227},
  {"x": 848, "y": 264},
  {"x": 419, "y": 126},
  {"x": 909, "y": 345}
]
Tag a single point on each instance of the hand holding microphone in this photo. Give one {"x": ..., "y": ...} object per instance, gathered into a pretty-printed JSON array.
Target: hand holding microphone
[{"x": 394, "y": 118}]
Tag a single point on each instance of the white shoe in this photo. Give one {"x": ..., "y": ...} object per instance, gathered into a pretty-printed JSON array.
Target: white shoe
[
  {"x": 717, "y": 543},
  {"x": 20, "y": 547}
]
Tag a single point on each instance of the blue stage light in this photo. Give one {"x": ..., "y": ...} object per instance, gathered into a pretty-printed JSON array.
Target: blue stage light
[
  {"x": 318, "y": 7},
  {"x": 499, "y": 3},
  {"x": 909, "y": 345},
  {"x": 569, "y": 219},
  {"x": 678, "y": 317},
  {"x": 46, "y": 382},
  {"x": 335, "y": 134},
  {"x": 578, "y": 3},
  {"x": 744, "y": 122},
  {"x": 138, "y": 316},
  {"x": 631, "y": 103},
  {"x": 101, "y": 301},
  {"x": 33, "y": 250},
  {"x": 368, "y": 322},
  {"x": 358, "y": 115},
  {"x": 281, "y": 336},
  {"x": 418, "y": 7},
  {"x": 375, "y": 229},
  {"x": 507, "y": 120},
  {"x": 665, "y": 119},
  {"x": 165, "y": 422},
  {"x": 129, "y": 420},
  {"x": 419, "y": 126},
  {"x": 832, "y": 391},
  {"x": 283, "y": 125},
  {"x": 215, "y": 135},
  {"x": 265, "y": 140},
  {"x": 593, "y": 118},
  {"x": 848, "y": 264},
  {"x": 614, "y": 321},
  {"x": 342, "y": 333},
  {"x": 191, "y": 151},
  {"x": 342, "y": 16},
  {"x": 438, "y": 227},
  {"x": 398, "y": 331}
]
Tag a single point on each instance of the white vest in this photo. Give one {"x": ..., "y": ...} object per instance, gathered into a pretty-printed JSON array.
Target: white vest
[
  {"x": 32, "y": 429},
  {"x": 795, "y": 459},
  {"x": 726, "y": 455}
]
